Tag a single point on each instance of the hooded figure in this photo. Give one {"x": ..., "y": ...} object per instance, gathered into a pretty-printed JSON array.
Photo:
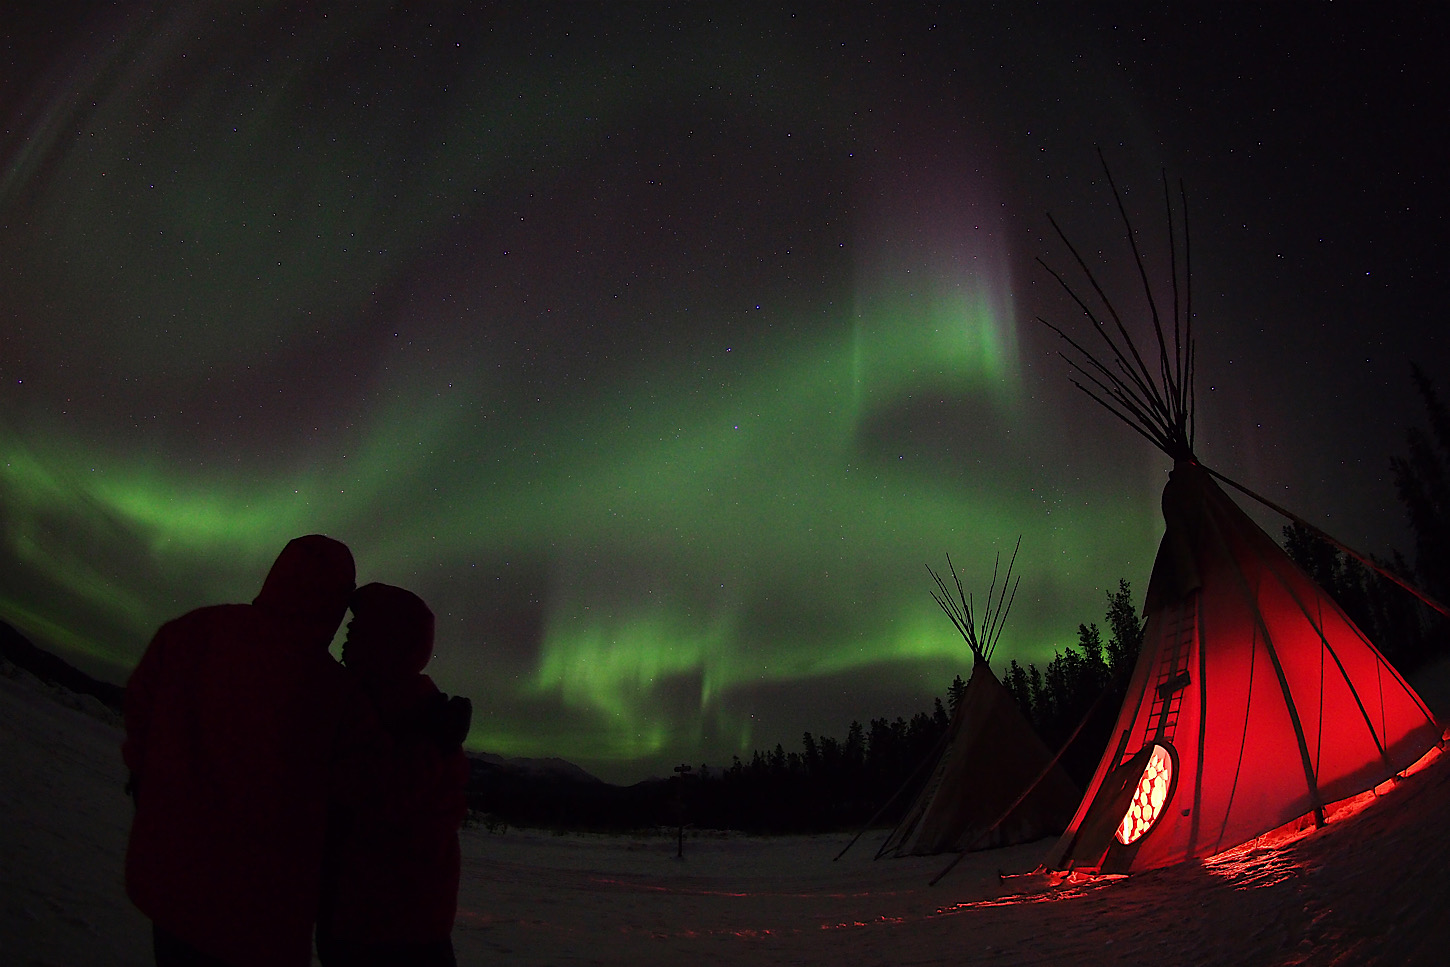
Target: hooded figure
[
  {"x": 240, "y": 729},
  {"x": 391, "y": 883}
]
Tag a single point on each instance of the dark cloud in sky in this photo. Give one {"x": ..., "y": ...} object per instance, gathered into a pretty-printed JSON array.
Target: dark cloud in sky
[{"x": 659, "y": 346}]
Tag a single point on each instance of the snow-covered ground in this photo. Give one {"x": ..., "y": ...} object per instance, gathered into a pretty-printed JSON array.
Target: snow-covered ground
[
  {"x": 1369, "y": 888},
  {"x": 64, "y": 817}
]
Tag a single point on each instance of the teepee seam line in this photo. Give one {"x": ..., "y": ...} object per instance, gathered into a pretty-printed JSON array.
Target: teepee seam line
[
  {"x": 1195, "y": 825},
  {"x": 1327, "y": 646},
  {"x": 1290, "y": 706}
]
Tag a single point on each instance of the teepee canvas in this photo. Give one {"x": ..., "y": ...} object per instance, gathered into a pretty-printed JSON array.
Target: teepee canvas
[
  {"x": 990, "y": 756},
  {"x": 1255, "y": 700}
]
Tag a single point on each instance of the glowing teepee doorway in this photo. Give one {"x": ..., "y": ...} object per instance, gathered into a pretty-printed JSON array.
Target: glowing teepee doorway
[{"x": 1150, "y": 795}]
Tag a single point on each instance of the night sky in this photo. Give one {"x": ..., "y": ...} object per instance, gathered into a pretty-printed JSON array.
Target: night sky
[{"x": 660, "y": 347}]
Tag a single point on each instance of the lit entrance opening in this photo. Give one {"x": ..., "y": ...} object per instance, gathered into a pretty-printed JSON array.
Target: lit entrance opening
[{"x": 1149, "y": 798}]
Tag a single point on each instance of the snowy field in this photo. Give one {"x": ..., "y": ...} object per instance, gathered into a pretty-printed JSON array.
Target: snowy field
[{"x": 1370, "y": 888}]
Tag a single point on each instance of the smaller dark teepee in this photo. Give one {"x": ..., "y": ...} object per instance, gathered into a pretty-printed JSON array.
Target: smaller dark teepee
[{"x": 990, "y": 755}]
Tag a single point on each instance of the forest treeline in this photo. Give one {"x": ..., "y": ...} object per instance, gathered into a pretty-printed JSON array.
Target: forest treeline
[
  {"x": 876, "y": 770},
  {"x": 1406, "y": 631}
]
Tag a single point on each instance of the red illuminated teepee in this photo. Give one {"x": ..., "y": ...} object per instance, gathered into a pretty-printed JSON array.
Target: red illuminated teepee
[
  {"x": 995, "y": 783},
  {"x": 1255, "y": 700}
]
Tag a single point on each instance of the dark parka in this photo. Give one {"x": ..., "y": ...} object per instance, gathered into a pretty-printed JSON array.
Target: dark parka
[
  {"x": 394, "y": 859},
  {"x": 240, "y": 731}
]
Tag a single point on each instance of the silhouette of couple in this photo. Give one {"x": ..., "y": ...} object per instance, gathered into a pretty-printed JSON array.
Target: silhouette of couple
[{"x": 277, "y": 790}]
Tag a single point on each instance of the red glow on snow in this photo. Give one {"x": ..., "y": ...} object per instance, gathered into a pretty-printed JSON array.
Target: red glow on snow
[
  {"x": 1045, "y": 886},
  {"x": 695, "y": 891},
  {"x": 1149, "y": 798},
  {"x": 1264, "y": 860}
]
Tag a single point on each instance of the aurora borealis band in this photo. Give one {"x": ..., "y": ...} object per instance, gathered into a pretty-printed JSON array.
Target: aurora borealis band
[{"x": 659, "y": 347}]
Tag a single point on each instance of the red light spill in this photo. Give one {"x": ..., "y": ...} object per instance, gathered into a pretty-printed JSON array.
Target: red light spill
[
  {"x": 655, "y": 888},
  {"x": 1149, "y": 798},
  {"x": 1254, "y": 869},
  {"x": 744, "y": 933},
  {"x": 474, "y": 919},
  {"x": 1049, "y": 887},
  {"x": 865, "y": 923},
  {"x": 1262, "y": 861},
  {"x": 676, "y": 891}
]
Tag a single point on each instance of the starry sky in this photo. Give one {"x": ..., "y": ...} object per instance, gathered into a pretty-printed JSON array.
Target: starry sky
[{"x": 659, "y": 347}]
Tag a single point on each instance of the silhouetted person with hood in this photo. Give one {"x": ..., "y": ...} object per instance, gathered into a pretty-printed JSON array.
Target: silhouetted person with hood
[
  {"x": 240, "y": 728},
  {"x": 391, "y": 882}
]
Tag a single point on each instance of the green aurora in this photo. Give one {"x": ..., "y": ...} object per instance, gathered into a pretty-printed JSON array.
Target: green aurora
[
  {"x": 658, "y": 352},
  {"x": 706, "y": 538}
]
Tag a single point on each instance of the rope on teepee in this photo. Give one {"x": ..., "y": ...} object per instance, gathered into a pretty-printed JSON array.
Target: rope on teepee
[
  {"x": 929, "y": 759},
  {"x": 1367, "y": 561}
]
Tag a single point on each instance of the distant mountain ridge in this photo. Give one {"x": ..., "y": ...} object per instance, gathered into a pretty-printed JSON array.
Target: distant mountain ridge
[
  {"x": 551, "y": 767},
  {"x": 53, "y": 670}
]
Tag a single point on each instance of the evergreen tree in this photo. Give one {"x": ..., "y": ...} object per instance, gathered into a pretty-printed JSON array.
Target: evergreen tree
[
  {"x": 853, "y": 755},
  {"x": 1057, "y": 687},
  {"x": 1041, "y": 708},
  {"x": 955, "y": 692},
  {"x": 1017, "y": 686},
  {"x": 830, "y": 756},
  {"x": 1315, "y": 557},
  {"x": 882, "y": 748},
  {"x": 1090, "y": 640},
  {"x": 1406, "y": 632},
  {"x": 1423, "y": 481},
  {"x": 1094, "y": 670},
  {"x": 1125, "y": 632},
  {"x": 1353, "y": 587},
  {"x": 812, "y": 755}
]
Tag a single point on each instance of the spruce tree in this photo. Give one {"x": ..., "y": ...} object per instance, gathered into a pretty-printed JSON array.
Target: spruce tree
[
  {"x": 955, "y": 692},
  {"x": 1125, "y": 629},
  {"x": 1423, "y": 481}
]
